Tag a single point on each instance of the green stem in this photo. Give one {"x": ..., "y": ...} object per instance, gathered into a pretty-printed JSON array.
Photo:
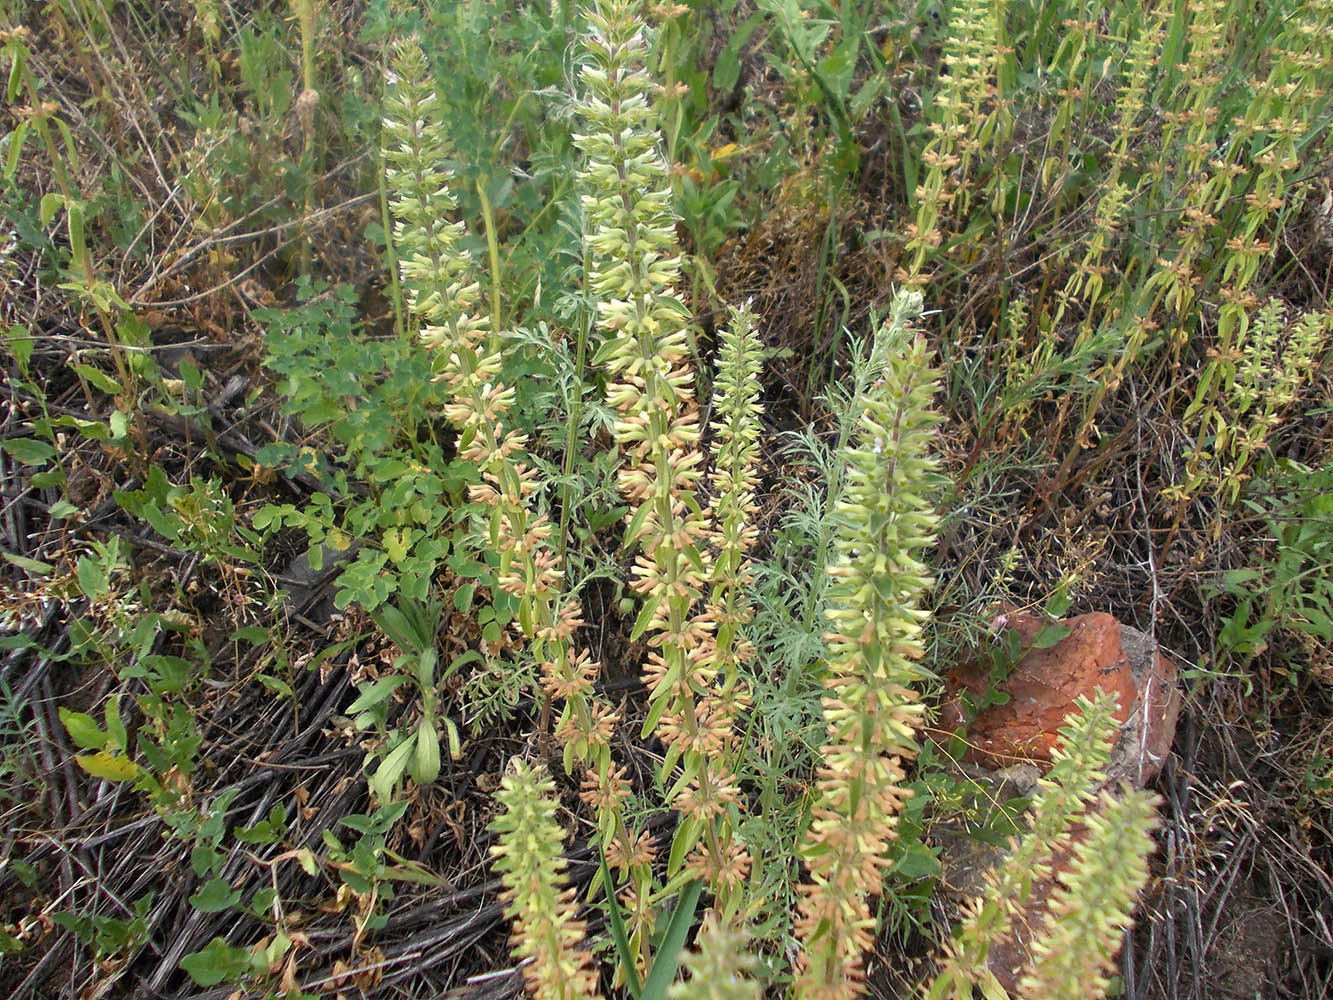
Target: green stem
[
  {"x": 572, "y": 427},
  {"x": 493, "y": 251}
]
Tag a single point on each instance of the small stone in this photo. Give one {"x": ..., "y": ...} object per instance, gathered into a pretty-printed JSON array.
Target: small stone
[{"x": 1043, "y": 686}]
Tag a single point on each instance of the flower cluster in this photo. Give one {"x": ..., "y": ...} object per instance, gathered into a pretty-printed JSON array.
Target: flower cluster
[
  {"x": 1116, "y": 851},
  {"x": 528, "y": 858},
  {"x": 443, "y": 294},
  {"x": 694, "y": 690},
  {"x": 871, "y": 710}
]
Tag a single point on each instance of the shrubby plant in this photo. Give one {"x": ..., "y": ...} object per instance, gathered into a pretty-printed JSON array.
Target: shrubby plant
[{"x": 689, "y": 537}]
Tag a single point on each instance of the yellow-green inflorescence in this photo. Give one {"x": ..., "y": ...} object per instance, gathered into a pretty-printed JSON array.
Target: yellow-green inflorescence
[
  {"x": 886, "y": 519},
  {"x": 529, "y": 858},
  {"x": 1088, "y": 914},
  {"x": 1096, "y": 900},
  {"x": 443, "y": 294},
  {"x": 689, "y": 566},
  {"x": 720, "y": 968}
]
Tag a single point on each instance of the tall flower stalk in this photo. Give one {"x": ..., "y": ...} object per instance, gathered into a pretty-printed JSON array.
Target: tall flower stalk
[
  {"x": 1090, "y": 910},
  {"x": 694, "y": 691},
  {"x": 871, "y": 708},
  {"x": 528, "y": 856}
]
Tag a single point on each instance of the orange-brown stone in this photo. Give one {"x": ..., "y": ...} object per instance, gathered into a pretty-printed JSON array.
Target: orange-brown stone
[{"x": 1042, "y": 687}]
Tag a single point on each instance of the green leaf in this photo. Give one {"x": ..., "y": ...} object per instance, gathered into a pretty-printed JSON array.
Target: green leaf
[
  {"x": 275, "y": 685},
  {"x": 10, "y": 945},
  {"x": 13, "y": 146},
  {"x": 375, "y": 692},
  {"x": 93, "y": 430},
  {"x": 83, "y": 729},
  {"x": 394, "y": 624},
  {"x": 727, "y": 69},
  {"x": 384, "y": 780},
  {"x": 645, "y": 617},
  {"x": 216, "y": 963},
  {"x": 251, "y": 633},
  {"x": 426, "y": 754},
  {"x": 1049, "y": 636},
  {"x": 31, "y": 565},
  {"x": 100, "y": 379},
  {"x": 48, "y": 479},
  {"x": 214, "y": 897},
  {"x": 20, "y": 343},
  {"x": 667, "y": 961},
  {"x": 49, "y": 206},
  {"x": 63, "y": 509},
  {"x": 108, "y": 766},
  {"x": 618, "y": 935},
  {"x": 990, "y": 986},
  {"x": 918, "y": 861},
  {"x": 463, "y": 597},
  {"x": 636, "y": 523},
  {"x": 115, "y": 727},
  {"x": 266, "y": 831},
  {"x": 191, "y": 375},
  {"x": 93, "y": 580},
  {"x": 29, "y": 451},
  {"x": 687, "y": 835},
  {"x": 17, "y": 57}
]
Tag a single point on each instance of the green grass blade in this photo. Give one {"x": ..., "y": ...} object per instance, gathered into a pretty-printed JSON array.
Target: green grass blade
[
  {"x": 618, "y": 934},
  {"x": 668, "y": 956}
]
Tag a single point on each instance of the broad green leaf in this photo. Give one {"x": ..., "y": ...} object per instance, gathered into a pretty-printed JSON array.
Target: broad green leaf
[
  {"x": 83, "y": 729},
  {"x": 384, "y": 780},
  {"x": 191, "y": 375},
  {"x": 31, "y": 565},
  {"x": 463, "y": 597},
  {"x": 918, "y": 861},
  {"x": 217, "y": 962},
  {"x": 100, "y": 379},
  {"x": 108, "y": 766},
  {"x": 1049, "y": 636},
  {"x": 276, "y": 685},
  {"x": 29, "y": 451},
  {"x": 394, "y": 624},
  {"x": 48, "y": 479},
  {"x": 62, "y": 509},
  {"x": 93, "y": 581},
  {"x": 214, "y": 897},
  {"x": 251, "y": 633},
  {"x": 49, "y": 206}
]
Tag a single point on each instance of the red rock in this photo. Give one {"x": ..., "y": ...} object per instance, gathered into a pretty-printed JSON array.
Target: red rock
[
  {"x": 1099, "y": 652},
  {"x": 1009, "y": 744}
]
